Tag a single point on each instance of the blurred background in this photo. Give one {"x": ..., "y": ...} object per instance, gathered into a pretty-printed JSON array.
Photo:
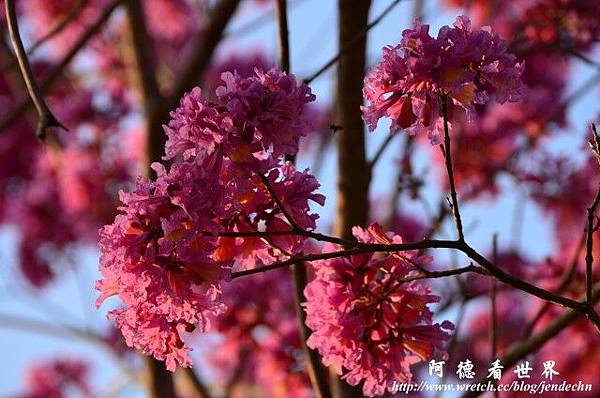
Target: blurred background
[{"x": 53, "y": 198}]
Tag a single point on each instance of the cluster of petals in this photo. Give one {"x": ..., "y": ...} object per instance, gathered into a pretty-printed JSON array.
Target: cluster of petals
[
  {"x": 462, "y": 66},
  {"x": 367, "y": 322},
  {"x": 57, "y": 378},
  {"x": 165, "y": 255},
  {"x": 252, "y": 118}
]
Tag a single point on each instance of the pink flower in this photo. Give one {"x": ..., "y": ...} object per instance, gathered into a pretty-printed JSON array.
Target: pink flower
[
  {"x": 252, "y": 119},
  {"x": 268, "y": 110},
  {"x": 56, "y": 378},
  {"x": 163, "y": 255},
  {"x": 366, "y": 323},
  {"x": 469, "y": 66},
  {"x": 155, "y": 258}
]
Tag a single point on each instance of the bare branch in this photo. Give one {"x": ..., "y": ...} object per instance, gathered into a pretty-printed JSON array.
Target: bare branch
[
  {"x": 447, "y": 150},
  {"x": 316, "y": 372},
  {"x": 59, "y": 27},
  {"x": 56, "y": 72},
  {"x": 46, "y": 120},
  {"x": 590, "y": 229},
  {"x": 525, "y": 347},
  {"x": 283, "y": 35},
  {"x": 144, "y": 69},
  {"x": 199, "y": 388},
  {"x": 190, "y": 76},
  {"x": 352, "y": 42}
]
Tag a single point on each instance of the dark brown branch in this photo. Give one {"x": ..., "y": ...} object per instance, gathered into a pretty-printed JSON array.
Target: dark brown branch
[
  {"x": 353, "y": 171},
  {"x": 447, "y": 150},
  {"x": 493, "y": 316},
  {"x": 283, "y": 36},
  {"x": 145, "y": 74},
  {"x": 191, "y": 74},
  {"x": 159, "y": 380},
  {"x": 59, "y": 27},
  {"x": 313, "y": 364},
  {"x": 525, "y": 347},
  {"x": 352, "y": 42},
  {"x": 590, "y": 228},
  {"x": 491, "y": 268},
  {"x": 589, "y": 257},
  {"x": 198, "y": 386},
  {"x": 56, "y": 72},
  {"x": 46, "y": 120},
  {"x": 316, "y": 372}
]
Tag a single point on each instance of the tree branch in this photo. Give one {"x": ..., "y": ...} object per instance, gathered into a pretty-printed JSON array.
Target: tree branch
[
  {"x": 59, "y": 27},
  {"x": 283, "y": 36},
  {"x": 447, "y": 150},
  {"x": 198, "y": 386},
  {"x": 523, "y": 348},
  {"x": 53, "y": 75},
  {"x": 192, "y": 72},
  {"x": 46, "y": 120},
  {"x": 352, "y": 42},
  {"x": 313, "y": 362},
  {"x": 145, "y": 71}
]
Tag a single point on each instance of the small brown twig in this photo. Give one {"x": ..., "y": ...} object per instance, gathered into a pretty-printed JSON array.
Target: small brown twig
[
  {"x": 590, "y": 229},
  {"x": 279, "y": 203},
  {"x": 523, "y": 348},
  {"x": 57, "y": 71},
  {"x": 493, "y": 328},
  {"x": 447, "y": 150},
  {"x": 59, "y": 27},
  {"x": 351, "y": 43},
  {"x": 46, "y": 119}
]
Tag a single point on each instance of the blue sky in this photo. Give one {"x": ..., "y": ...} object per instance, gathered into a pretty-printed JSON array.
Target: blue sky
[{"x": 313, "y": 41}]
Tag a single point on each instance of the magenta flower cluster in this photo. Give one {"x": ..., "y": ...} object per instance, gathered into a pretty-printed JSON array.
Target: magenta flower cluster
[
  {"x": 466, "y": 66},
  {"x": 367, "y": 322},
  {"x": 163, "y": 255}
]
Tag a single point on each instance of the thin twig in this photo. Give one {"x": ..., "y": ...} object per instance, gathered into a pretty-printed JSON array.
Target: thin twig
[
  {"x": 447, "y": 150},
  {"x": 278, "y": 202},
  {"x": 490, "y": 267},
  {"x": 493, "y": 315},
  {"x": 56, "y": 72},
  {"x": 525, "y": 347},
  {"x": 380, "y": 151},
  {"x": 591, "y": 211},
  {"x": 46, "y": 120},
  {"x": 351, "y": 43},
  {"x": 59, "y": 27}
]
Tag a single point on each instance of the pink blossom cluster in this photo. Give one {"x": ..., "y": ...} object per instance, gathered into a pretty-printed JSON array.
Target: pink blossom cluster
[
  {"x": 552, "y": 26},
  {"x": 164, "y": 255},
  {"x": 367, "y": 322},
  {"x": 468, "y": 66},
  {"x": 56, "y": 378}
]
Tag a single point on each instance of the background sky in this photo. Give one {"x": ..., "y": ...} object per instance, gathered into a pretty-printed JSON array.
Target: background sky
[{"x": 313, "y": 35}]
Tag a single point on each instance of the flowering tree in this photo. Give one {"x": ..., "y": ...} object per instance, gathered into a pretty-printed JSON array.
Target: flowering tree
[{"x": 212, "y": 260}]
